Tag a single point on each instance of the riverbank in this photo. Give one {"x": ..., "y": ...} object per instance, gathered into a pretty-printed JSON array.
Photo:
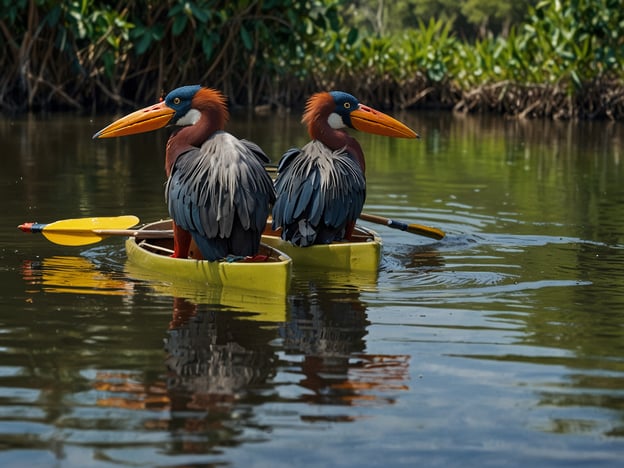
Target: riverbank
[
  {"x": 92, "y": 58},
  {"x": 596, "y": 101}
]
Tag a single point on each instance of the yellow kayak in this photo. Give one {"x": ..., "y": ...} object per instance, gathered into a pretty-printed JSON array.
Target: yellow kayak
[
  {"x": 154, "y": 254},
  {"x": 361, "y": 254}
]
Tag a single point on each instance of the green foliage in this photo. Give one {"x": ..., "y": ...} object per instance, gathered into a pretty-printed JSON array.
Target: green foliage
[
  {"x": 566, "y": 43},
  {"x": 471, "y": 18},
  {"x": 430, "y": 48},
  {"x": 134, "y": 50},
  {"x": 579, "y": 39},
  {"x": 75, "y": 52}
]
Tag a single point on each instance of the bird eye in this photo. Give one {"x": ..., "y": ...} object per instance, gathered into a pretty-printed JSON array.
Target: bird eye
[
  {"x": 347, "y": 105},
  {"x": 176, "y": 100}
]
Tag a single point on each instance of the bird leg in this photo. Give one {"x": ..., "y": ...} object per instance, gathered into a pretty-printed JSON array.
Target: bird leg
[
  {"x": 349, "y": 228},
  {"x": 181, "y": 242}
]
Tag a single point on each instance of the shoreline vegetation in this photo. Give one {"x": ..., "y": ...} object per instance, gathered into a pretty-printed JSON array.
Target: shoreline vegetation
[{"x": 564, "y": 60}]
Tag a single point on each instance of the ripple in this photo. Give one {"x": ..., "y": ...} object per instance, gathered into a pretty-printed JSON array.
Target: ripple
[
  {"x": 110, "y": 256},
  {"x": 483, "y": 269}
]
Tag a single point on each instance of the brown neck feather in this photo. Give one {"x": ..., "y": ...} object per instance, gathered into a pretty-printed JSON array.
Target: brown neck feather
[
  {"x": 317, "y": 111},
  {"x": 214, "y": 115}
]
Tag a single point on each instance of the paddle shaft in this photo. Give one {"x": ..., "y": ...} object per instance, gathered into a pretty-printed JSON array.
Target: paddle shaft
[
  {"x": 143, "y": 234},
  {"x": 427, "y": 231},
  {"x": 148, "y": 234}
]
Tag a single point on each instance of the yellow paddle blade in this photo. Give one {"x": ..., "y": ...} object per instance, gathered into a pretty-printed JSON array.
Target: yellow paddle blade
[
  {"x": 79, "y": 231},
  {"x": 427, "y": 231}
]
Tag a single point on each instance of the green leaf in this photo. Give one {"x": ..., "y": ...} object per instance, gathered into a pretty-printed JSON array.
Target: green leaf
[
  {"x": 54, "y": 15},
  {"x": 202, "y": 15},
  {"x": 208, "y": 42},
  {"x": 352, "y": 36},
  {"x": 176, "y": 10},
  {"x": 246, "y": 37},
  {"x": 158, "y": 32},
  {"x": 576, "y": 79},
  {"x": 179, "y": 24},
  {"x": 144, "y": 42}
]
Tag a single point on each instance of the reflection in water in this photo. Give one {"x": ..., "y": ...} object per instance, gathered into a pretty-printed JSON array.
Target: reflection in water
[
  {"x": 421, "y": 259},
  {"x": 215, "y": 360},
  {"x": 127, "y": 390},
  {"x": 222, "y": 355},
  {"x": 214, "y": 357},
  {"x": 75, "y": 275},
  {"x": 218, "y": 363},
  {"x": 219, "y": 366},
  {"x": 214, "y": 363},
  {"x": 258, "y": 305},
  {"x": 329, "y": 331},
  {"x": 586, "y": 390}
]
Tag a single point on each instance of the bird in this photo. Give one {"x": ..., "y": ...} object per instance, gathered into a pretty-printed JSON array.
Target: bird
[
  {"x": 218, "y": 192},
  {"x": 321, "y": 187}
]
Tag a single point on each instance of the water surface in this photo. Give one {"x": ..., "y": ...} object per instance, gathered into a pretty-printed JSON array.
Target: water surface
[{"x": 501, "y": 345}]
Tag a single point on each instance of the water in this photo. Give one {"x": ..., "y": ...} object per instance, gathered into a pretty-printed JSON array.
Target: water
[{"x": 501, "y": 345}]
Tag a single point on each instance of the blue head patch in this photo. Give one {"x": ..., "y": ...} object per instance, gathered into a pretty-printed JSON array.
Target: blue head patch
[
  {"x": 180, "y": 100},
  {"x": 345, "y": 103}
]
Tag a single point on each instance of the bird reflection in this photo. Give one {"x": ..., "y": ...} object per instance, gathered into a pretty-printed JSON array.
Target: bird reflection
[
  {"x": 216, "y": 359},
  {"x": 329, "y": 330},
  {"x": 213, "y": 358},
  {"x": 222, "y": 358},
  {"x": 223, "y": 354}
]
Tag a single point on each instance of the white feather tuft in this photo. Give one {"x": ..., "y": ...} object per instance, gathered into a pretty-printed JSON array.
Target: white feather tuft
[
  {"x": 190, "y": 118},
  {"x": 335, "y": 121}
]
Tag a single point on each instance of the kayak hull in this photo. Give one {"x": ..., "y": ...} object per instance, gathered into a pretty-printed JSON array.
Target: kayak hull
[
  {"x": 362, "y": 254},
  {"x": 271, "y": 274}
]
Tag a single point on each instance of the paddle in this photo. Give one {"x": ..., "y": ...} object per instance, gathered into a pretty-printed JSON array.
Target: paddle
[
  {"x": 427, "y": 231},
  {"x": 83, "y": 231}
]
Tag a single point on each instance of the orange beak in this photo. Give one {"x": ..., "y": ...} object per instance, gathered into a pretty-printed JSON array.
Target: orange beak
[
  {"x": 141, "y": 121},
  {"x": 370, "y": 120}
]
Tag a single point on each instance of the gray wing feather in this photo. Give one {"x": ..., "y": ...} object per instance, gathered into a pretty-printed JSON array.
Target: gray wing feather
[
  {"x": 221, "y": 191},
  {"x": 317, "y": 189}
]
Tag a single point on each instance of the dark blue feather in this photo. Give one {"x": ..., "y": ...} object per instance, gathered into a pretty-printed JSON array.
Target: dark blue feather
[
  {"x": 319, "y": 192},
  {"x": 222, "y": 195}
]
